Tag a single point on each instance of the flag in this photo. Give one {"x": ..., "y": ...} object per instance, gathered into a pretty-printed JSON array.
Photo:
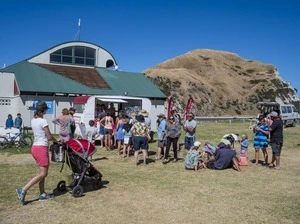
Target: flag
[
  {"x": 189, "y": 107},
  {"x": 170, "y": 106}
]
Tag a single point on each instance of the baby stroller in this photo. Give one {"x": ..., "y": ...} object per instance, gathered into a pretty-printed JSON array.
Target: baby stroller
[{"x": 76, "y": 153}]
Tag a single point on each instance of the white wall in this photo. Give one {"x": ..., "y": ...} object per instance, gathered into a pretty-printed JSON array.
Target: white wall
[
  {"x": 7, "y": 84},
  {"x": 22, "y": 105}
]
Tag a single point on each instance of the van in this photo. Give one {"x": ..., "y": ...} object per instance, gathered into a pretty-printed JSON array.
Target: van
[{"x": 287, "y": 112}]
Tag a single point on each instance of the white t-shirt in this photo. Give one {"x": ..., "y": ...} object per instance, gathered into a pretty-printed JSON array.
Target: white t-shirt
[
  {"x": 90, "y": 133},
  {"x": 40, "y": 137}
]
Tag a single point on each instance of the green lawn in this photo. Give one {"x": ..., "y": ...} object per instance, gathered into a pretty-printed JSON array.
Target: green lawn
[{"x": 159, "y": 193}]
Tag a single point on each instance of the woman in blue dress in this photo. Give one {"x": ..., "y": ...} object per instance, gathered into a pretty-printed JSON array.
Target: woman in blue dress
[
  {"x": 120, "y": 133},
  {"x": 261, "y": 139}
]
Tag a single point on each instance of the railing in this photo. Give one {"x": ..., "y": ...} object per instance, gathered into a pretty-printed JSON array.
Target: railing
[{"x": 200, "y": 120}]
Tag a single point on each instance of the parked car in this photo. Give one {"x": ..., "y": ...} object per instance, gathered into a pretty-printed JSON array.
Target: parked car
[{"x": 288, "y": 112}]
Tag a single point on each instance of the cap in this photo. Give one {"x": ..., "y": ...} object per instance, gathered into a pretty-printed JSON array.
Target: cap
[
  {"x": 41, "y": 105},
  {"x": 161, "y": 115},
  {"x": 72, "y": 109},
  {"x": 274, "y": 114},
  {"x": 197, "y": 143}
]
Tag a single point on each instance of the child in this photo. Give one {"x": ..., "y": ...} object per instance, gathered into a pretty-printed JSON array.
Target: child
[
  {"x": 91, "y": 133},
  {"x": 127, "y": 138},
  {"x": 208, "y": 150},
  {"x": 244, "y": 143},
  {"x": 192, "y": 161},
  {"x": 243, "y": 160}
]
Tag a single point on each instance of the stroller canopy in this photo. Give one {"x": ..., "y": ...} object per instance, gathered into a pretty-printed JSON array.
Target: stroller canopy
[{"x": 81, "y": 147}]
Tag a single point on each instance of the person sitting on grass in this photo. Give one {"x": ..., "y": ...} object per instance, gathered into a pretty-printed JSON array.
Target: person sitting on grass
[
  {"x": 192, "y": 160},
  {"x": 208, "y": 150},
  {"x": 225, "y": 157}
]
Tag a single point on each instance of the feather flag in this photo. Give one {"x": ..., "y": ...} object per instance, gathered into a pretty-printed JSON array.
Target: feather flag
[
  {"x": 189, "y": 107},
  {"x": 170, "y": 106}
]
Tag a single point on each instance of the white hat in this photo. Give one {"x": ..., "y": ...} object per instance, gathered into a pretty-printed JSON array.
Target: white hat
[
  {"x": 197, "y": 143},
  {"x": 273, "y": 114}
]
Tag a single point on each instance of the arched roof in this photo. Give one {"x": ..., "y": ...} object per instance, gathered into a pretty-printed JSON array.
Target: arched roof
[{"x": 100, "y": 56}]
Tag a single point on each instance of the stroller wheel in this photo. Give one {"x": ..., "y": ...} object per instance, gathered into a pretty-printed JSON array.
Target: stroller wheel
[
  {"x": 97, "y": 184},
  {"x": 78, "y": 191},
  {"x": 61, "y": 186}
]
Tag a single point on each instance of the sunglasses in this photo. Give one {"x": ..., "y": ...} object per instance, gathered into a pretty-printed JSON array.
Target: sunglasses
[{"x": 171, "y": 119}]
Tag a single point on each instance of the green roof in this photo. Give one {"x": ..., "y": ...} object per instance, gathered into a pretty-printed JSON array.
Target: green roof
[
  {"x": 135, "y": 84},
  {"x": 33, "y": 78}
]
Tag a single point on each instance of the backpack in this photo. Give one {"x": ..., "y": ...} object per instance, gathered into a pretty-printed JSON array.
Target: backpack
[{"x": 71, "y": 127}]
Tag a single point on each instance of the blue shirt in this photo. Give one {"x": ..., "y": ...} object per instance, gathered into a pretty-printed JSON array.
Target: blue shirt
[
  {"x": 9, "y": 123},
  {"x": 245, "y": 142},
  {"x": 161, "y": 128}
]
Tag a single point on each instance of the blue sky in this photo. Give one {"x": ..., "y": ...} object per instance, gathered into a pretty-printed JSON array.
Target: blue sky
[{"x": 141, "y": 34}]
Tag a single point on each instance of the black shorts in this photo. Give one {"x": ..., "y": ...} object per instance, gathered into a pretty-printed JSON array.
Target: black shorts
[
  {"x": 276, "y": 148},
  {"x": 108, "y": 131},
  {"x": 140, "y": 142},
  {"x": 211, "y": 165}
]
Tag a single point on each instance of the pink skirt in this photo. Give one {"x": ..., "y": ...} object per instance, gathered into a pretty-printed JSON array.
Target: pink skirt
[{"x": 41, "y": 155}]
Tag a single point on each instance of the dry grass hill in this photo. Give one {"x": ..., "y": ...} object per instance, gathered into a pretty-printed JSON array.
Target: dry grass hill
[{"x": 221, "y": 83}]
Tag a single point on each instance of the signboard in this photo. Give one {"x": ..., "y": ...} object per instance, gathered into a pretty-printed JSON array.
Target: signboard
[{"x": 50, "y": 105}]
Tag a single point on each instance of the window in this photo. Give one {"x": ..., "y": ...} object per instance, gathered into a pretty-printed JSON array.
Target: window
[
  {"x": 289, "y": 109},
  {"x": 5, "y": 102},
  {"x": 284, "y": 109},
  {"x": 295, "y": 110},
  {"x": 77, "y": 55}
]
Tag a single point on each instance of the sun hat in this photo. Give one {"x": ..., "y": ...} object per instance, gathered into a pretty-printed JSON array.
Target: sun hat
[
  {"x": 144, "y": 112},
  {"x": 41, "y": 105},
  {"x": 197, "y": 143},
  {"x": 273, "y": 114}
]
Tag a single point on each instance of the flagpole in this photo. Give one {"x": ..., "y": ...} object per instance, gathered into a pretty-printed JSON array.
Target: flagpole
[{"x": 78, "y": 31}]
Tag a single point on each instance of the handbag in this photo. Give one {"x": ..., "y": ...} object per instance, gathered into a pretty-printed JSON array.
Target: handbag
[{"x": 57, "y": 153}]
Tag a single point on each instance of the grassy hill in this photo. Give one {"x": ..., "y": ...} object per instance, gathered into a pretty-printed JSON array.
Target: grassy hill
[{"x": 221, "y": 83}]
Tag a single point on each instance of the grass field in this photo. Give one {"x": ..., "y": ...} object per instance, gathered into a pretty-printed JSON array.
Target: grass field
[{"x": 159, "y": 193}]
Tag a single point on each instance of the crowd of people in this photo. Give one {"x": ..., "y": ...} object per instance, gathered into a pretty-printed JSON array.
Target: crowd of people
[{"x": 130, "y": 134}]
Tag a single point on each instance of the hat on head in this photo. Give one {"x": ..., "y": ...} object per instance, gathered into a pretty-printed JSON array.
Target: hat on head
[
  {"x": 197, "y": 143},
  {"x": 161, "y": 115},
  {"x": 41, "y": 105},
  {"x": 144, "y": 112},
  {"x": 72, "y": 109},
  {"x": 140, "y": 118},
  {"x": 132, "y": 115},
  {"x": 273, "y": 114}
]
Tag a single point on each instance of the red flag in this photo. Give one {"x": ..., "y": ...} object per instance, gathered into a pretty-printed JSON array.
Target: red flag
[
  {"x": 189, "y": 106},
  {"x": 170, "y": 106}
]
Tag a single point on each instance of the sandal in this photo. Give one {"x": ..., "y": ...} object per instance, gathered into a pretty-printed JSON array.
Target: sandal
[{"x": 271, "y": 165}]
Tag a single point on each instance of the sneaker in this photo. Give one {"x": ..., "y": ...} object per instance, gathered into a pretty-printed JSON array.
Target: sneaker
[
  {"x": 45, "y": 196},
  {"x": 175, "y": 160},
  {"x": 21, "y": 195}
]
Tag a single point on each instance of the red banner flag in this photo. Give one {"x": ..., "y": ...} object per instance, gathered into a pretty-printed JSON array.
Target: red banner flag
[
  {"x": 189, "y": 106},
  {"x": 170, "y": 106}
]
